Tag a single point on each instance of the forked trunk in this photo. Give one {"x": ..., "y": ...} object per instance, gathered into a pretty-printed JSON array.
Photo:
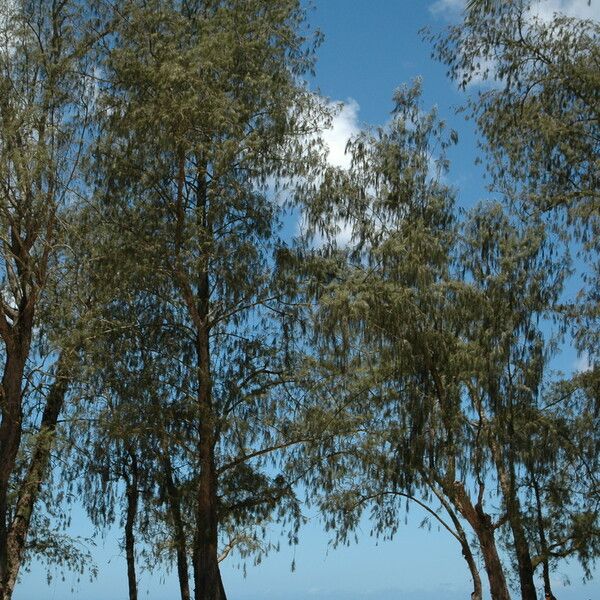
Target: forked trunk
[{"x": 484, "y": 530}]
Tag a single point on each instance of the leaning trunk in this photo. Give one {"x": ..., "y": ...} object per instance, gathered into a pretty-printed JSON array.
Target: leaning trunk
[
  {"x": 477, "y": 593},
  {"x": 484, "y": 530},
  {"x": 493, "y": 566},
  {"x": 15, "y": 535}
]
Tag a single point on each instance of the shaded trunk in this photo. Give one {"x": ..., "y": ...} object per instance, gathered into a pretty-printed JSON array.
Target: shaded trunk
[
  {"x": 484, "y": 530},
  {"x": 10, "y": 440},
  {"x": 207, "y": 576},
  {"x": 524, "y": 564},
  {"x": 12, "y": 545},
  {"x": 132, "y": 494},
  {"x": 493, "y": 566},
  {"x": 507, "y": 479},
  {"x": 174, "y": 507}
]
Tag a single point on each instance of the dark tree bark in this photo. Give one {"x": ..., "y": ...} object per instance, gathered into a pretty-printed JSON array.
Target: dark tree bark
[
  {"x": 507, "y": 479},
  {"x": 14, "y": 534},
  {"x": 207, "y": 578},
  {"x": 174, "y": 508},
  {"x": 132, "y": 495}
]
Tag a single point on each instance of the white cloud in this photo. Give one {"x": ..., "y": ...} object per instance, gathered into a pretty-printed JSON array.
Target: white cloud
[
  {"x": 542, "y": 9},
  {"x": 344, "y": 126},
  {"x": 580, "y": 9},
  {"x": 447, "y": 8}
]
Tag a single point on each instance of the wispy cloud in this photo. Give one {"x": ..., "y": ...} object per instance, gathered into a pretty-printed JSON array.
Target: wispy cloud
[
  {"x": 448, "y": 9},
  {"x": 451, "y": 10},
  {"x": 582, "y": 364}
]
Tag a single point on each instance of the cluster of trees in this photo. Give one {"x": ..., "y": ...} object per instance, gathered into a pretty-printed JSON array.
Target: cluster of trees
[{"x": 183, "y": 370}]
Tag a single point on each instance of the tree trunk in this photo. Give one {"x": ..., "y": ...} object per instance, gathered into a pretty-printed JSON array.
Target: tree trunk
[
  {"x": 524, "y": 563},
  {"x": 207, "y": 577},
  {"x": 507, "y": 479},
  {"x": 12, "y": 545},
  {"x": 543, "y": 541},
  {"x": 484, "y": 530},
  {"x": 477, "y": 593},
  {"x": 10, "y": 439},
  {"x": 132, "y": 494},
  {"x": 206, "y": 566},
  {"x": 174, "y": 507}
]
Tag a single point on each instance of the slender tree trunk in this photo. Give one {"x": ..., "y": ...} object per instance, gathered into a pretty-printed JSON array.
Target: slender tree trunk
[
  {"x": 543, "y": 541},
  {"x": 174, "y": 507},
  {"x": 207, "y": 576},
  {"x": 484, "y": 530},
  {"x": 477, "y": 593},
  {"x": 15, "y": 534},
  {"x": 132, "y": 494},
  {"x": 507, "y": 479}
]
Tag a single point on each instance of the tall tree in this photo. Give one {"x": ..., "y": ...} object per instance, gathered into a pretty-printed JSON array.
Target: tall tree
[
  {"x": 381, "y": 325},
  {"x": 46, "y": 94},
  {"x": 430, "y": 345},
  {"x": 204, "y": 109},
  {"x": 540, "y": 121},
  {"x": 540, "y": 124}
]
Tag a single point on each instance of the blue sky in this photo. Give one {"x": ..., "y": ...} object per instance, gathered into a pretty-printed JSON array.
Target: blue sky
[{"x": 370, "y": 48}]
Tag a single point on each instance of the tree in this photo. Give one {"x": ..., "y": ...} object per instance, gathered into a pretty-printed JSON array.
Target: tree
[
  {"x": 539, "y": 119},
  {"x": 430, "y": 345},
  {"x": 540, "y": 122},
  {"x": 381, "y": 310},
  {"x": 204, "y": 108},
  {"x": 46, "y": 96}
]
